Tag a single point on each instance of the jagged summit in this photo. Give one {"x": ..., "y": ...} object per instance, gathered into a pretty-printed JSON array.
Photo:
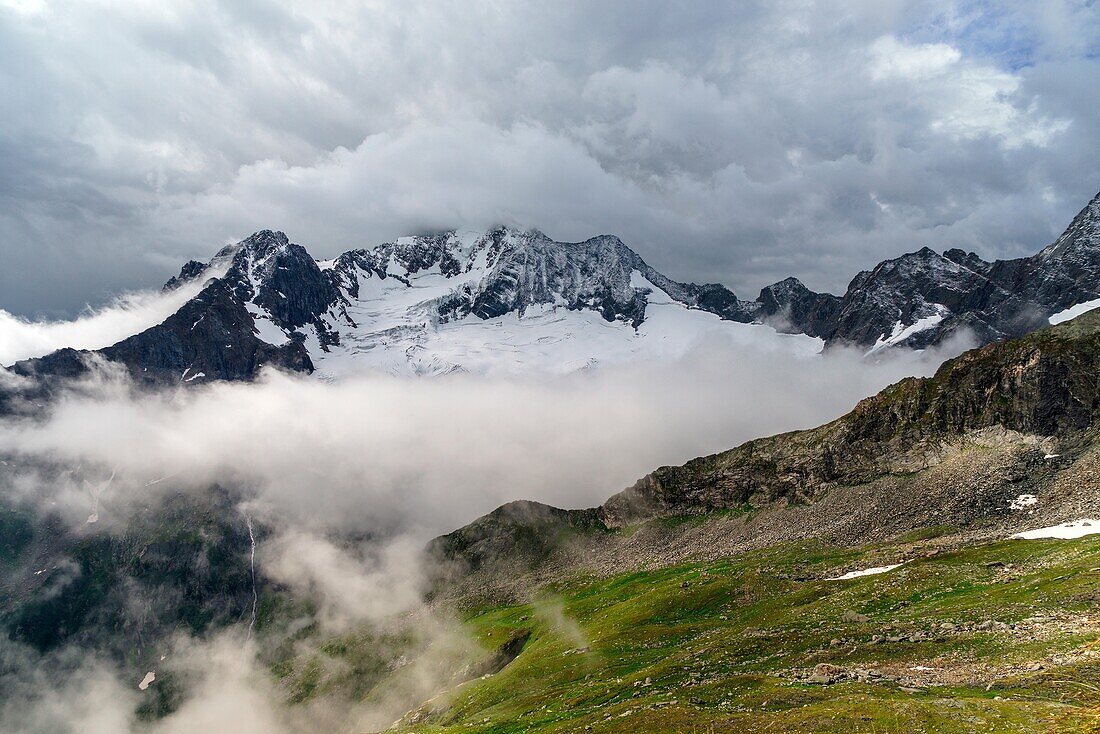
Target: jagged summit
[
  {"x": 915, "y": 300},
  {"x": 503, "y": 300},
  {"x": 922, "y": 298},
  {"x": 1081, "y": 237}
]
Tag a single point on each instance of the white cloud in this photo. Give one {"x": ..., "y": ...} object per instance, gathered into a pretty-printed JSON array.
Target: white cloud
[
  {"x": 128, "y": 314},
  {"x": 347, "y": 589},
  {"x": 427, "y": 455},
  {"x": 962, "y": 98},
  {"x": 892, "y": 59}
]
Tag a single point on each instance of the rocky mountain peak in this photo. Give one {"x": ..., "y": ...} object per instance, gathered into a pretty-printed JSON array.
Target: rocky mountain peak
[
  {"x": 191, "y": 269},
  {"x": 783, "y": 291},
  {"x": 262, "y": 244},
  {"x": 1080, "y": 239},
  {"x": 386, "y": 306},
  {"x": 969, "y": 260}
]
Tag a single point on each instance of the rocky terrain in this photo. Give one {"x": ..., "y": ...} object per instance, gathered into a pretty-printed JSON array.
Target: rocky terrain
[
  {"x": 924, "y": 297},
  {"x": 927, "y": 561}
]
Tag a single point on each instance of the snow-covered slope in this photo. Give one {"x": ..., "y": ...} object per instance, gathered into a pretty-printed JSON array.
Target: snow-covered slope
[{"x": 503, "y": 301}]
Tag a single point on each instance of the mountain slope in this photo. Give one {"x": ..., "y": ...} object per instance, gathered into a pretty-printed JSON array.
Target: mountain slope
[
  {"x": 924, "y": 297},
  {"x": 505, "y": 300},
  {"x": 959, "y": 448}
]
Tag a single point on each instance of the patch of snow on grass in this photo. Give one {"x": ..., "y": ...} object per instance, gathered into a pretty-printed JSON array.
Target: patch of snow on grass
[
  {"x": 1065, "y": 531},
  {"x": 1074, "y": 311},
  {"x": 874, "y": 571},
  {"x": 149, "y": 678}
]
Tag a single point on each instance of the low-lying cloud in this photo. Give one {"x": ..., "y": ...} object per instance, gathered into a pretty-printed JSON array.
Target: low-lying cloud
[
  {"x": 126, "y": 315},
  {"x": 430, "y": 454}
]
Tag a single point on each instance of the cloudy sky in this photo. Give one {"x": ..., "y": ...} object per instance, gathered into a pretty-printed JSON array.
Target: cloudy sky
[{"x": 738, "y": 142}]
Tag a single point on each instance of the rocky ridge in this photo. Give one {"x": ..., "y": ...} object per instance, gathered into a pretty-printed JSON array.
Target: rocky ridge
[
  {"x": 267, "y": 302},
  {"x": 923, "y": 298}
]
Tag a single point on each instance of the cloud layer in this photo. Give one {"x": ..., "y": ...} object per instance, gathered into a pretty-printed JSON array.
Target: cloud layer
[
  {"x": 739, "y": 142},
  {"x": 384, "y": 453}
]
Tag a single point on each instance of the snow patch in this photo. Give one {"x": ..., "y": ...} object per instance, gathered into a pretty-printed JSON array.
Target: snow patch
[
  {"x": 1065, "y": 531},
  {"x": 1074, "y": 311},
  {"x": 395, "y": 328},
  {"x": 654, "y": 294},
  {"x": 901, "y": 332},
  {"x": 149, "y": 678},
  {"x": 1023, "y": 502},
  {"x": 874, "y": 571},
  {"x": 265, "y": 328}
]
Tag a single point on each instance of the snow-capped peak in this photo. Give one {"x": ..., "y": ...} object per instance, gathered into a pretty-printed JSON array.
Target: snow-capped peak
[{"x": 412, "y": 304}]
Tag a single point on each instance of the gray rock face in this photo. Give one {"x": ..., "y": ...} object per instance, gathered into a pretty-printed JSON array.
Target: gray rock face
[
  {"x": 793, "y": 308},
  {"x": 191, "y": 270},
  {"x": 527, "y": 268},
  {"x": 212, "y": 337},
  {"x": 947, "y": 293}
]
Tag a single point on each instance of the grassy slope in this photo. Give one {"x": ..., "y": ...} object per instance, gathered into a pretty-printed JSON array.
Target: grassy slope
[{"x": 721, "y": 642}]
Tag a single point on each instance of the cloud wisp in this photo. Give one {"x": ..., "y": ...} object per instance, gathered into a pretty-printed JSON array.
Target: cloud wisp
[{"x": 125, "y": 316}]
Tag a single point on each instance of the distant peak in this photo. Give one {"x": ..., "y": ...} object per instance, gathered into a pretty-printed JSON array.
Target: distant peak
[
  {"x": 511, "y": 230},
  {"x": 1080, "y": 237},
  {"x": 258, "y": 244},
  {"x": 265, "y": 240}
]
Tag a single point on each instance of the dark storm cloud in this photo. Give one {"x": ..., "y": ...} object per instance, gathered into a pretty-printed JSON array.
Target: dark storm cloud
[{"x": 737, "y": 142}]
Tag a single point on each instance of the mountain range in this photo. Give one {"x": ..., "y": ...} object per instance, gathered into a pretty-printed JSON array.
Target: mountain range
[
  {"x": 508, "y": 300},
  {"x": 927, "y": 561},
  {"x": 880, "y": 567}
]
